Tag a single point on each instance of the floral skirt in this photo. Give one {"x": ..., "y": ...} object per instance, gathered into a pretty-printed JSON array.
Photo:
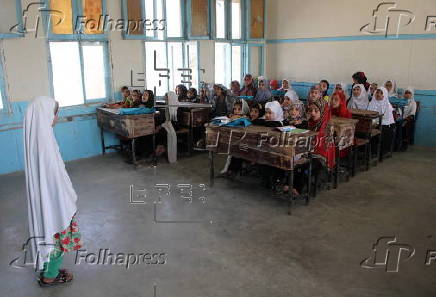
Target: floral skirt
[{"x": 69, "y": 239}]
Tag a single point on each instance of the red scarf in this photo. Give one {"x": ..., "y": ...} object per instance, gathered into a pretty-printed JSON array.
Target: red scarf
[
  {"x": 342, "y": 111},
  {"x": 324, "y": 147}
]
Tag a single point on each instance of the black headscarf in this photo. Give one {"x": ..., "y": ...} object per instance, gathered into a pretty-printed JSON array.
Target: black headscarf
[
  {"x": 150, "y": 102},
  {"x": 183, "y": 96}
]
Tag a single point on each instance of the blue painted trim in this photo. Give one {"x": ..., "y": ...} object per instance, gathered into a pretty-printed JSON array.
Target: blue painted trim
[
  {"x": 355, "y": 38},
  {"x": 4, "y": 94},
  {"x": 19, "y": 14}
]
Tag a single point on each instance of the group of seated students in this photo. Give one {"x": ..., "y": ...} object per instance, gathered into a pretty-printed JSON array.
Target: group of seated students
[
  {"x": 272, "y": 111},
  {"x": 257, "y": 101}
]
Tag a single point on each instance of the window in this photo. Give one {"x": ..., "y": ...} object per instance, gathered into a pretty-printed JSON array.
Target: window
[
  {"x": 236, "y": 19},
  {"x": 255, "y": 54},
  {"x": 236, "y": 62},
  {"x": 81, "y": 76},
  {"x": 173, "y": 18},
  {"x": 169, "y": 64},
  {"x": 220, "y": 19},
  {"x": 228, "y": 60}
]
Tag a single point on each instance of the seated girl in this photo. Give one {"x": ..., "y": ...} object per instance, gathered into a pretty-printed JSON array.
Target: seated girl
[
  {"x": 314, "y": 94},
  {"x": 235, "y": 88},
  {"x": 256, "y": 114},
  {"x": 341, "y": 87},
  {"x": 263, "y": 93},
  {"x": 359, "y": 98},
  {"x": 204, "y": 98},
  {"x": 125, "y": 102},
  {"x": 136, "y": 99},
  {"x": 324, "y": 86},
  {"x": 339, "y": 105},
  {"x": 372, "y": 88},
  {"x": 147, "y": 99},
  {"x": 391, "y": 86},
  {"x": 295, "y": 117},
  {"x": 182, "y": 93},
  {"x": 273, "y": 114},
  {"x": 286, "y": 85},
  {"x": 192, "y": 95},
  {"x": 339, "y": 108},
  {"x": 381, "y": 104},
  {"x": 222, "y": 104},
  {"x": 240, "y": 110},
  {"x": 408, "y": 117},
  {"x": 291, "y": 98}
]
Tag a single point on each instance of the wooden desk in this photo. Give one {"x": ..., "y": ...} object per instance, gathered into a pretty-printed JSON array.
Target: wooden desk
[
  {"x": 261, "y": 145},
  {"x": 343, "y": 136},
  {"x": 126, "y": 126},
  {"x": 365, "y": 129},
  {"x": 193, "y": 115}
]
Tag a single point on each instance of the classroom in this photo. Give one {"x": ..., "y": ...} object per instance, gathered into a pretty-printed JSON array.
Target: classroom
[{"x": 217, "y": 148}]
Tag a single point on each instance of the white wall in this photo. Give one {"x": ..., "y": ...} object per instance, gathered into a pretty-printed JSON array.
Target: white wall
[{"x": 410, "y": 62}]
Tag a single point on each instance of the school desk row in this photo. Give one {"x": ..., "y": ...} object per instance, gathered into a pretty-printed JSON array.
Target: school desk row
[{"x": 256, "y": 144}]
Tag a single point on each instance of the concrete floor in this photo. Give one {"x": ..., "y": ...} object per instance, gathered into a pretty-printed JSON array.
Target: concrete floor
[{"x": 243, "y": 243}]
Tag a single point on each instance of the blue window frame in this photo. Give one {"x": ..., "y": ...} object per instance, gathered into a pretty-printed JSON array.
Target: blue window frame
[
  {"x": 84, "y": 76},
  {"x": 12, "y": 21},
  {"x": 3, "y": 93}
]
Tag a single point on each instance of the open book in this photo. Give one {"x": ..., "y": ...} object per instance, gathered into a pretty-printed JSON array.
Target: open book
[{"x": 291, "y": 129}]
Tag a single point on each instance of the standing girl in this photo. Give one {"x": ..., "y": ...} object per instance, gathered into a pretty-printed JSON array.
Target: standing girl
[{"x": 51, "y": 197}]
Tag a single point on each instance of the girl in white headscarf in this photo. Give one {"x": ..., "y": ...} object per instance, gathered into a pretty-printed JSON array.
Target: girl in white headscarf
[
  {"x": 51, "y": 197},
  {"x": 291, "y": 100},
  {"x": 380, "y": 103},
  {"x": 273, "y": 114},
  {"x": 341, "y": 87},
  {"x": 408, "y": 117},
  {"x": 359, "y": 99},
  {"x": 391, "y": 86}
]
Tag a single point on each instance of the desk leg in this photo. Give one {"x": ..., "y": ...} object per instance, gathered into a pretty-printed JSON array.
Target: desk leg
[
  {"x": 290, "y": 182},
  {"x": 134, "y": 151},
  {"x": 379, "y": 150},
  {"x": 350, "y": 163},
  {"x": 211, "y": 170},
  {"x": 355, "y": 151},
  {"x": 335, "y": 181},
  {"x": 103, "y": 146},
  {"x": 154, "y": 150},
  {"x": 309, "y": 180},
  {"x": 190, "y": 140},
  {"x": 379, "y": 146}
]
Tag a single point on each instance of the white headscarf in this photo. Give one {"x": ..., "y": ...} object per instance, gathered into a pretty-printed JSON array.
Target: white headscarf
[
  {"x": 168, "y": 126},
  {"x": 410, "y": 108},
  {"x": 344, "y": 87},
  {"x": 174, "y": 101},
  {"x": 50, "y": 195},
  {"x": 276, "y": 110},
  {"x": 360, "y": 102},
  {"x": 393, "y": 92},
  {"x": 291, "y": 94},
  {"x": 383, "y": 107}
]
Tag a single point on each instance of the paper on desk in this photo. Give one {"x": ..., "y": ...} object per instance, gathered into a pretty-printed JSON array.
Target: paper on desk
[{"x": 292, "y": 129}]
